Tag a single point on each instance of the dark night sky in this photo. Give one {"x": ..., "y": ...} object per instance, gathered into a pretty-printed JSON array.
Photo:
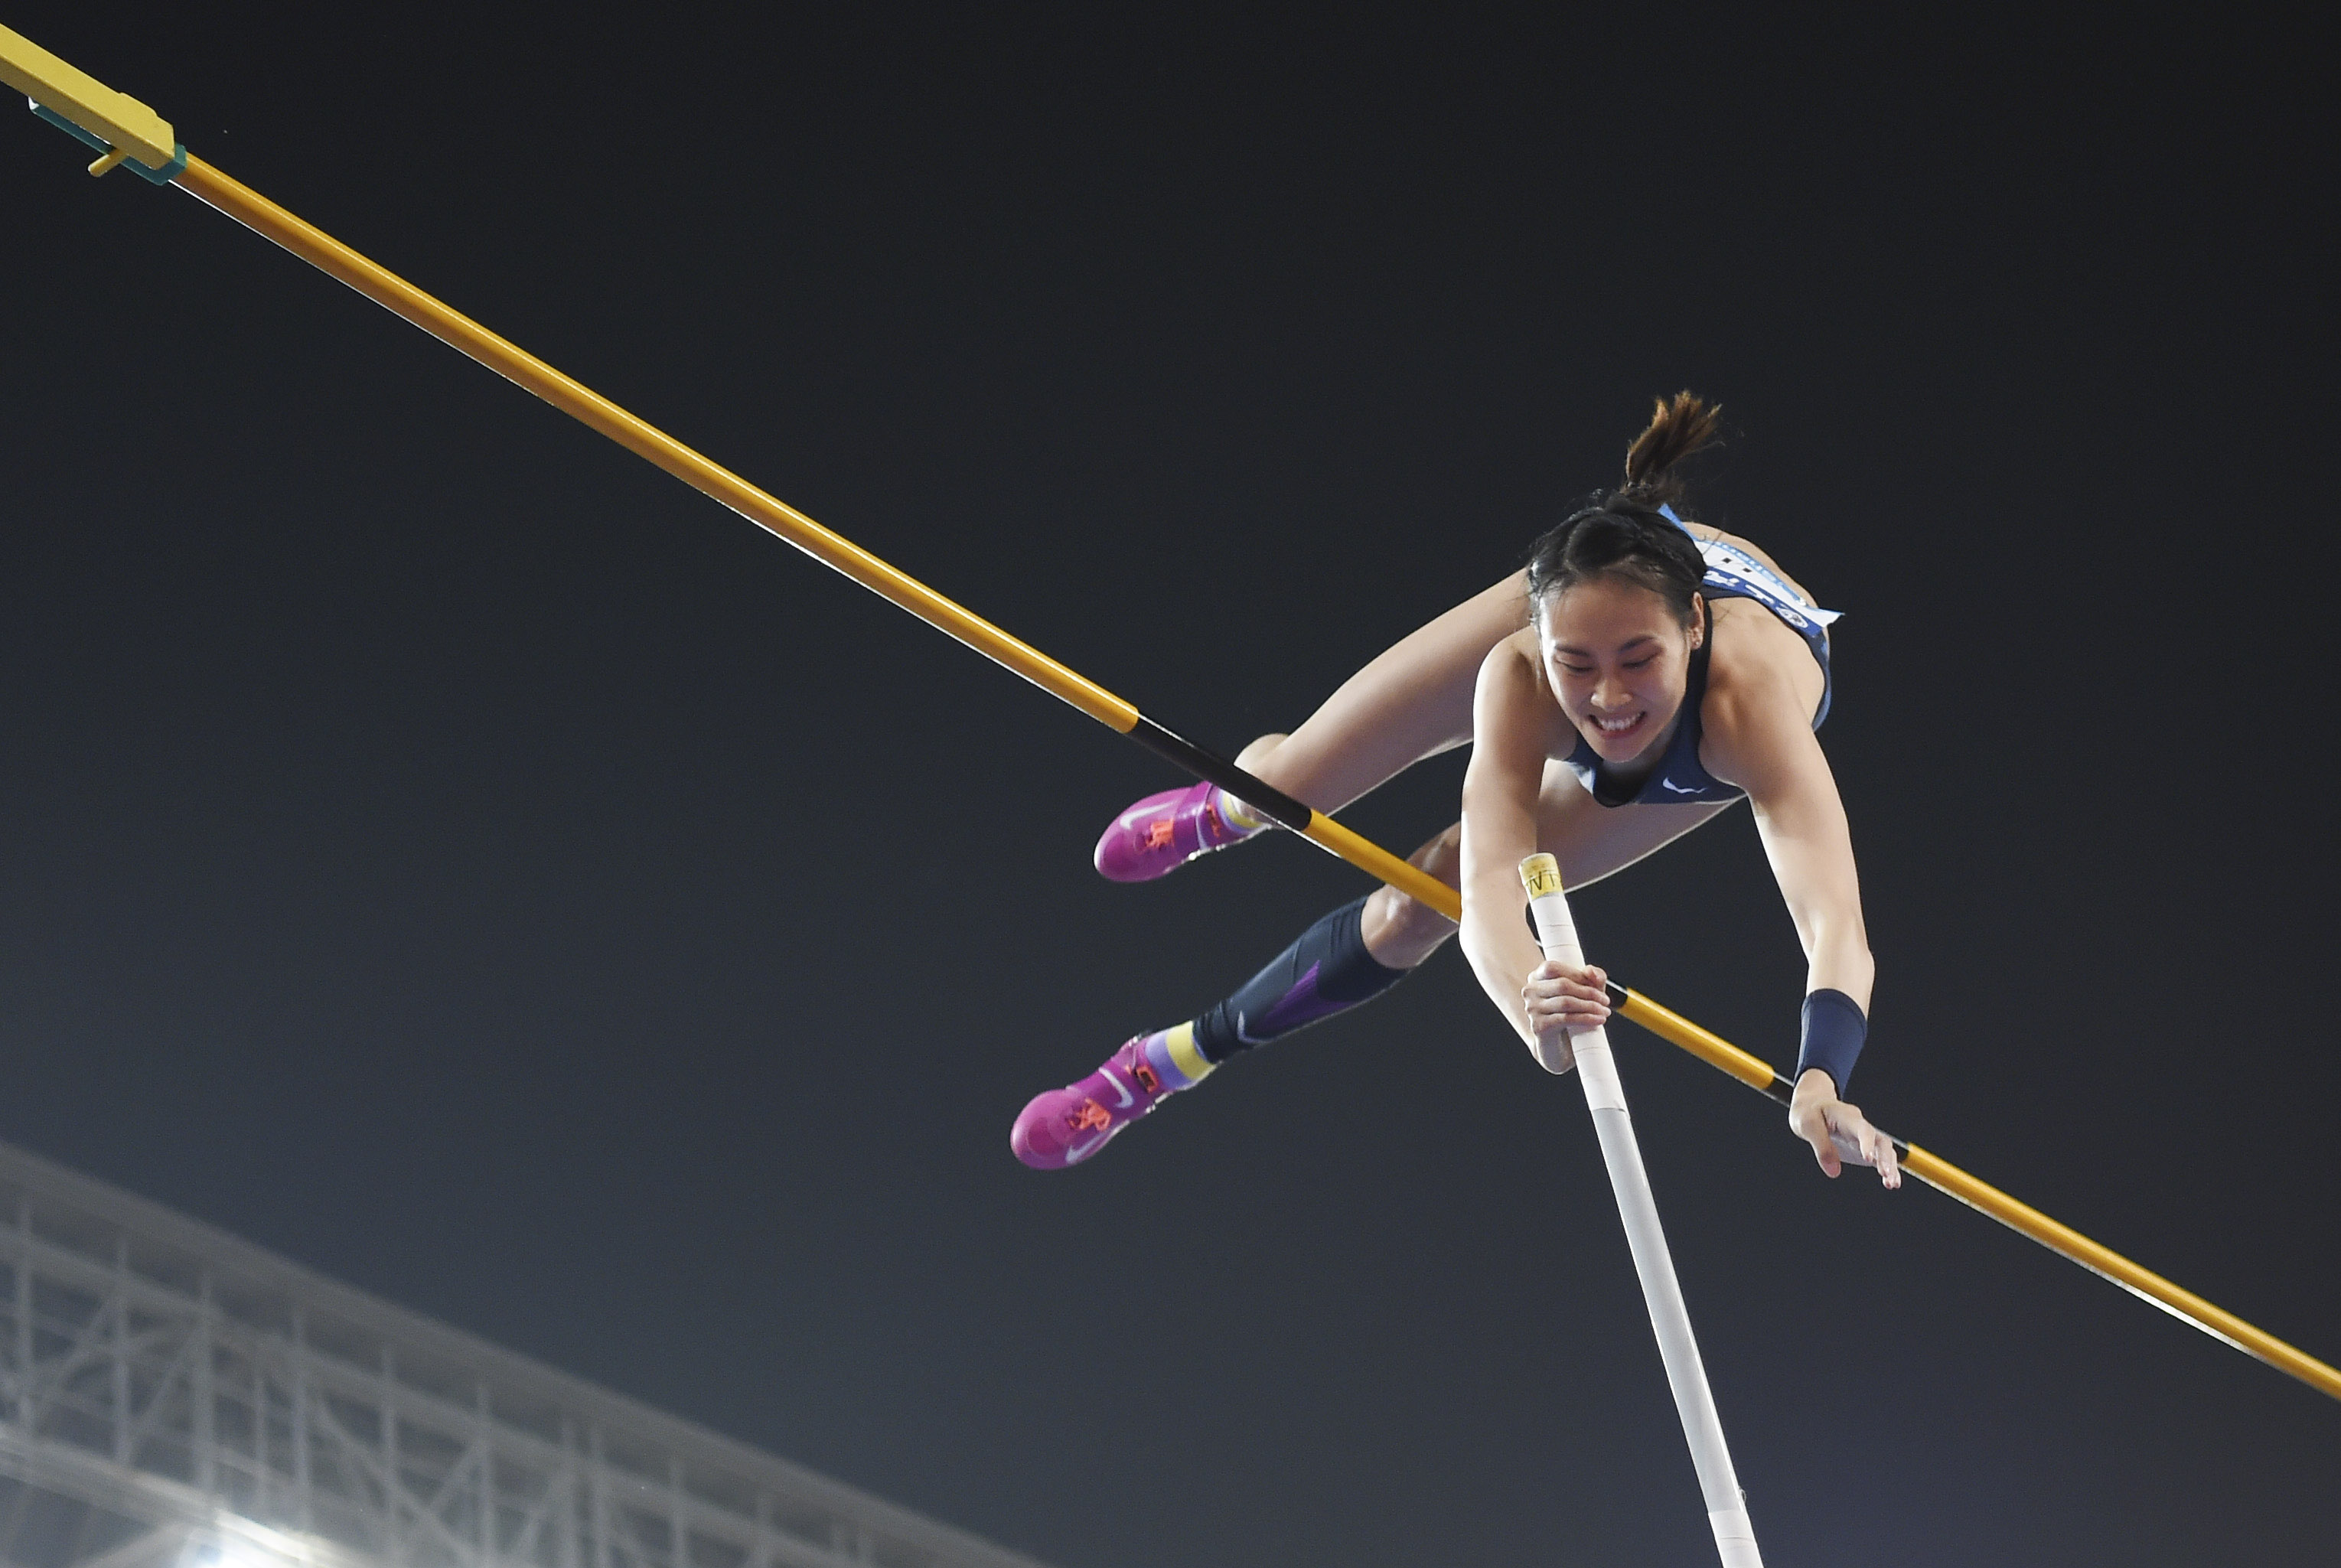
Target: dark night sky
[{"x": 443, "y": 849}]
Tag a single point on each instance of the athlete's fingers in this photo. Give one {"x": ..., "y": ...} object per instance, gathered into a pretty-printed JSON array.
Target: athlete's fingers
[
  {"x": 1555, "y": 992},
  {"x": 1543, "y": 1009},
  {"x": 1856, "y": 1138},
  {"x": 1858, "y": 1141},
  {"x": 1564, "y": 1016},
  {"x": 1817, "y": 1133},
  {"x": 1592, "y": 982},
  {"x": 1889, "y": 1169}
]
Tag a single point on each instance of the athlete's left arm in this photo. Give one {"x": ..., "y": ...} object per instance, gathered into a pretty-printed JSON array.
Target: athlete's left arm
[{"x": 1769, "y": 749}]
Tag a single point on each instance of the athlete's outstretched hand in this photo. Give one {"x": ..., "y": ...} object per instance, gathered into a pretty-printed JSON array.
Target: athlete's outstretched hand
[
  {"x": 1560, "y": 997},
  {"x": 1837, "y": 1131}
]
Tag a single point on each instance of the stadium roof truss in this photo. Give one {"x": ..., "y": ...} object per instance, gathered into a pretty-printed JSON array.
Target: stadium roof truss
[{"x": 172, "y": 1397}]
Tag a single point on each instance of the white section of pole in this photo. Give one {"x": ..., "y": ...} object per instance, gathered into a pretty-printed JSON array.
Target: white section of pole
[{"x": 1605, "y": 1096}]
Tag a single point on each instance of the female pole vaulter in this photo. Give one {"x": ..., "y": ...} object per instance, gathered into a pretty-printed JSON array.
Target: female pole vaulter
[{"x": 1641, "y": 675}]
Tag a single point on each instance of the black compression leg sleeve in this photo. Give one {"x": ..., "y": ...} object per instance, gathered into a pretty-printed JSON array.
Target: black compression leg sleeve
[{"x": 1328, "y": 970}]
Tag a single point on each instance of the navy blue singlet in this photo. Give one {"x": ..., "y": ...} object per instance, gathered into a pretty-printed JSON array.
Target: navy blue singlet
[{"x": 1679, "y": 779}]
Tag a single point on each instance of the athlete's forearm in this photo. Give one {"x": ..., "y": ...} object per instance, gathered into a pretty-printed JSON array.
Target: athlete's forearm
[
  {"x": 1499, "y": 829},
  {"x": 1497, "y": 944},
  {"x": 1839, "y": 959},
  {"x": 1498, "y": 833},
  {"x": 1501, "y": 960},
  {"x": 1802, "y": 822},
  {"x": 1497, "y": 836}
]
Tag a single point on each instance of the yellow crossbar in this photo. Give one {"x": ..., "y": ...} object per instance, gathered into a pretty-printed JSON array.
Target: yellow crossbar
[
  {"x": 128, "y": 123},
  {"x": 574, "y": 397}
]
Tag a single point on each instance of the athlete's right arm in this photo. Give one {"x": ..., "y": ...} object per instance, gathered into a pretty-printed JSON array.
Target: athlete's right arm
[{"x": 1513, "y": 716}]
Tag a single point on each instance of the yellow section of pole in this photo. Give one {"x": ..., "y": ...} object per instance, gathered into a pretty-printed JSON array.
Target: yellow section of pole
[
  {"x": 2183, "y": 1304},
  {"x": 572, "y": 397},
  {"x": 1704, "y": 1043},
  {"x": 132, "y": 128}
]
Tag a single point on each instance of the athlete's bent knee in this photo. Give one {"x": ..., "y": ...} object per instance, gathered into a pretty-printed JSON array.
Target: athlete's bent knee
[
  {"x": 1401, "y": 930},
  {"x": 1442, "y": 857},
  {"x": 1254, "y": 759}
]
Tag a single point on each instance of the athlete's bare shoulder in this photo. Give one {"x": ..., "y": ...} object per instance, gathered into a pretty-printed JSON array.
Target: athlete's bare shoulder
[
  {"x": 1514, "y": 708},
  {"x": 1762, "y": 684},
  {"x": 1511, "y": 672}
]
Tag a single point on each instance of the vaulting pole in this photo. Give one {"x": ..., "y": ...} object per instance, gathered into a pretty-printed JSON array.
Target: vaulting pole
[
  {"x": 1637, "y": 1210},
  {"x": 126, "y": 133}
]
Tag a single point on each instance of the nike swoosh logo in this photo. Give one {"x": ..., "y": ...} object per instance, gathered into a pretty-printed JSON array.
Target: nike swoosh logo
[
  {"x": 1083, "y": 1152},
  {"x": 1670, "y": 783},
  {"x": 1126, "y": 1100}
]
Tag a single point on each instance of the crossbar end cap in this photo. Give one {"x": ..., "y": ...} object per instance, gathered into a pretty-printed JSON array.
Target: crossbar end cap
[{"x": 73, "y": 94}]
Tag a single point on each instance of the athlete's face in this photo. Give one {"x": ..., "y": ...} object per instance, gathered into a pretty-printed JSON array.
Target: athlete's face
[{"x": 1618, "y": 663}]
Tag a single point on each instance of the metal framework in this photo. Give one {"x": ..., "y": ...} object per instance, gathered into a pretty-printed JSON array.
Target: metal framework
[{"x": 172, "y": 1397}]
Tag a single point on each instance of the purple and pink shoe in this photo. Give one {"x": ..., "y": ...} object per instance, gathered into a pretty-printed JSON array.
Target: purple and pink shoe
[
  {"x": 1065, "y": 1126},
  {"x": 1164, "y": 831}
]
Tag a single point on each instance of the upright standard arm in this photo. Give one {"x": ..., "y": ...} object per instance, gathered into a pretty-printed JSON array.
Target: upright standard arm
[{"x": 1605, "y": 1096}]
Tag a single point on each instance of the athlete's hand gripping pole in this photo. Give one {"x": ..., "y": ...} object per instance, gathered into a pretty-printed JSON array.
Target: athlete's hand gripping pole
[{"x": 1605, "y": 1096}]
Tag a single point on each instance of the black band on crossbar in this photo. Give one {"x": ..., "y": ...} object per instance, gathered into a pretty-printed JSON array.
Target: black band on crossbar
[{"x": 1180, "y": 752}]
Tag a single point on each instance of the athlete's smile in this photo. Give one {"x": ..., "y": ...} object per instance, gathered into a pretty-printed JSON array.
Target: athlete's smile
[{"x": 1620, "y": 737}]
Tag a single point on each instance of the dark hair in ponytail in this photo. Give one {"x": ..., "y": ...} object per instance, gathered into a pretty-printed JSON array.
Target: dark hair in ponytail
[{"x": 1620, "y": 533}]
